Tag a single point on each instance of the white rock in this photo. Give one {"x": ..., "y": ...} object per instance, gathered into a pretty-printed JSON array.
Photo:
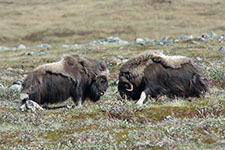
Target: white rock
[
  {"x": 187, "y": 37},
  {"x": 222, "y": 49},
  {"x": 139, "y": 41},
  {"x": 1, "y": 86},
  {"x": 16, "y": 87},
  {"x": 21, "y": 46},
  {"x": 3, "y": 48}
]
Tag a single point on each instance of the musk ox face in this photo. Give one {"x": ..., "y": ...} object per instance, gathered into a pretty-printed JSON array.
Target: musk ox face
[
  {"x": 98, "y": 88},
  {"x": 127, "y": 89}
]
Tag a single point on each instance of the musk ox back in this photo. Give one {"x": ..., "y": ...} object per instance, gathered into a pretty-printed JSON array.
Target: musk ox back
[
  {"x": 153, "y": 74},
  {"x": 74, "y": 76}
]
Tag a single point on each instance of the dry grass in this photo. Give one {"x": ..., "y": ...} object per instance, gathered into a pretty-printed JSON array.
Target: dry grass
[{"x": 80, "y": 21}]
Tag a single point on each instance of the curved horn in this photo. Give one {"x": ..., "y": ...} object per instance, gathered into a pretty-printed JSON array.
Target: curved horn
[
  {"x": 105, "y": 73},
  {"x": 131, "y": 87},
  {"x": 128, "y": 82}
]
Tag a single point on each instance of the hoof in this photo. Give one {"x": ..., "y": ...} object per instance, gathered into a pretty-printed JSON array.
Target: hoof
[
  {"x": 23, "y": 107},
  {"x": 33, "y": 105}
]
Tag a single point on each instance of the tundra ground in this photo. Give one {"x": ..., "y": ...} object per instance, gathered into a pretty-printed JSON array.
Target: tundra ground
[{"x": 111, "y": 123}]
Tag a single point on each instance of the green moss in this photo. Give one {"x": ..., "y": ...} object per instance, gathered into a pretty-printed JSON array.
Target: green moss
[
  {"x": 121, "y": 136},
  {"x": 155, "y": 147},
  {"x": 208, "y": 141},
  {"x": 160, "y": 113},
  {"x": 54, "y": 136}
]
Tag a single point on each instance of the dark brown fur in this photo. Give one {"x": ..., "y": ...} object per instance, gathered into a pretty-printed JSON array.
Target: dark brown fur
[
  {"x": 157, "y": 74},
  {"x": 74, "y": 76}
]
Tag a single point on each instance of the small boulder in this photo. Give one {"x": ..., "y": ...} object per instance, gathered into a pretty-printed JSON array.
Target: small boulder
[
  {"x": 3, "y": 48},
  {"x": 21, "y": 46},
  {"x": 222, "y": 49},
  {"x": 45, "y": 45},
  {"x": 139, "y": 41},
  {"x": 186, "y": 37}
]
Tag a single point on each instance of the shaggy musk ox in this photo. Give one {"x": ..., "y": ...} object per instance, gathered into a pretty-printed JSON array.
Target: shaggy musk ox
[
  {"x": 153, "y": 74},
  {"x": 74, "y": 76}
]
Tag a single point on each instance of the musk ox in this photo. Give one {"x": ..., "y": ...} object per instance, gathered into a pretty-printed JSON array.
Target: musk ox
[
  {"x": 75, "y": 76},
  {"x": 153, "y": 74}
]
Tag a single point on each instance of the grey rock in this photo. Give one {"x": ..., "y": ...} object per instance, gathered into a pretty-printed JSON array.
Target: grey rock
[
  {"x": 16, "y": 87},
  {"x": 45, "y": 45},
  {"x": 75, "y": 45},
  {"x": 147, "y": 40},
  {"x": 202, "y": 39},
  {"x": 115, "y": 40},
  {"x": 222, "y": 49},
  {"x": 160, "y": 43},
  {"x": 205, "y": 35},
  {"x": 18, "y": 82},
  {"x": 65, "y": 46},
  {"x": 40, "y": 53},
  {"x": 176, "y": 41},
  {"x": 169, "y": 43},
  {"x": 194, "y": 42},
  {"x": 3, "y": 48},
  {"x": 87, "y": 49},
  {"x": 21, "y": 46},
  {"x": 221, "y": 38},
  {"x": 199, "y": 58},
  {"x": 213, "y": 35},
  {"x": 139, "y": 41},
  {"x": 71, "y": 45},
  {"x": 108, "y": 40},
  {"x": 35, "y": 53},
  {"x": 120, "y": 57},
  {"x": 112, "y": 39},
  {"x": 115, "y": 60},
  {"x": 2, "y": 86},
  {"x": 186, "y": 37},
  {"x": 29, "y": 53},
  {"x": 10, "y": 69},
  {"x": 165, "y": 40},
  {"x": 168, "y": 118}
]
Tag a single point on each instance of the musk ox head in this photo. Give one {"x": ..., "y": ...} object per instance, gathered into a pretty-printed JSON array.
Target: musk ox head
[
  {"x": 98, "y": 88},
  {"x": 156, "y": 74},
  {"x": 128, "y": 88},
  {"x": 99, "y": 84}
]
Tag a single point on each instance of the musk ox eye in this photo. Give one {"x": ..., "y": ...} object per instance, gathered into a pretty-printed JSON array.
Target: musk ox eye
[
  {"x": 102, "y": 81},
  {"x": 126, "y": 86}
]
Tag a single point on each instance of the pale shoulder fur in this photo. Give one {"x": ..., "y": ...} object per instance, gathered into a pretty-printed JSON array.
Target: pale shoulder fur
[
  {"x": 71, "y": 66},
  {"x": 170, "y": 61},
  {"x": 137, "y": 65}
]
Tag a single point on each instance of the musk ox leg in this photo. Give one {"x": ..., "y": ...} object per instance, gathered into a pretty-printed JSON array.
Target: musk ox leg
[
  {"x": 23, "y": 107},
  {"x": 79, "y": 102},
  {"x": 23, "y": 97},
  {"x": 142, "y": 99},
  {"x": 29, "y": 104}
]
